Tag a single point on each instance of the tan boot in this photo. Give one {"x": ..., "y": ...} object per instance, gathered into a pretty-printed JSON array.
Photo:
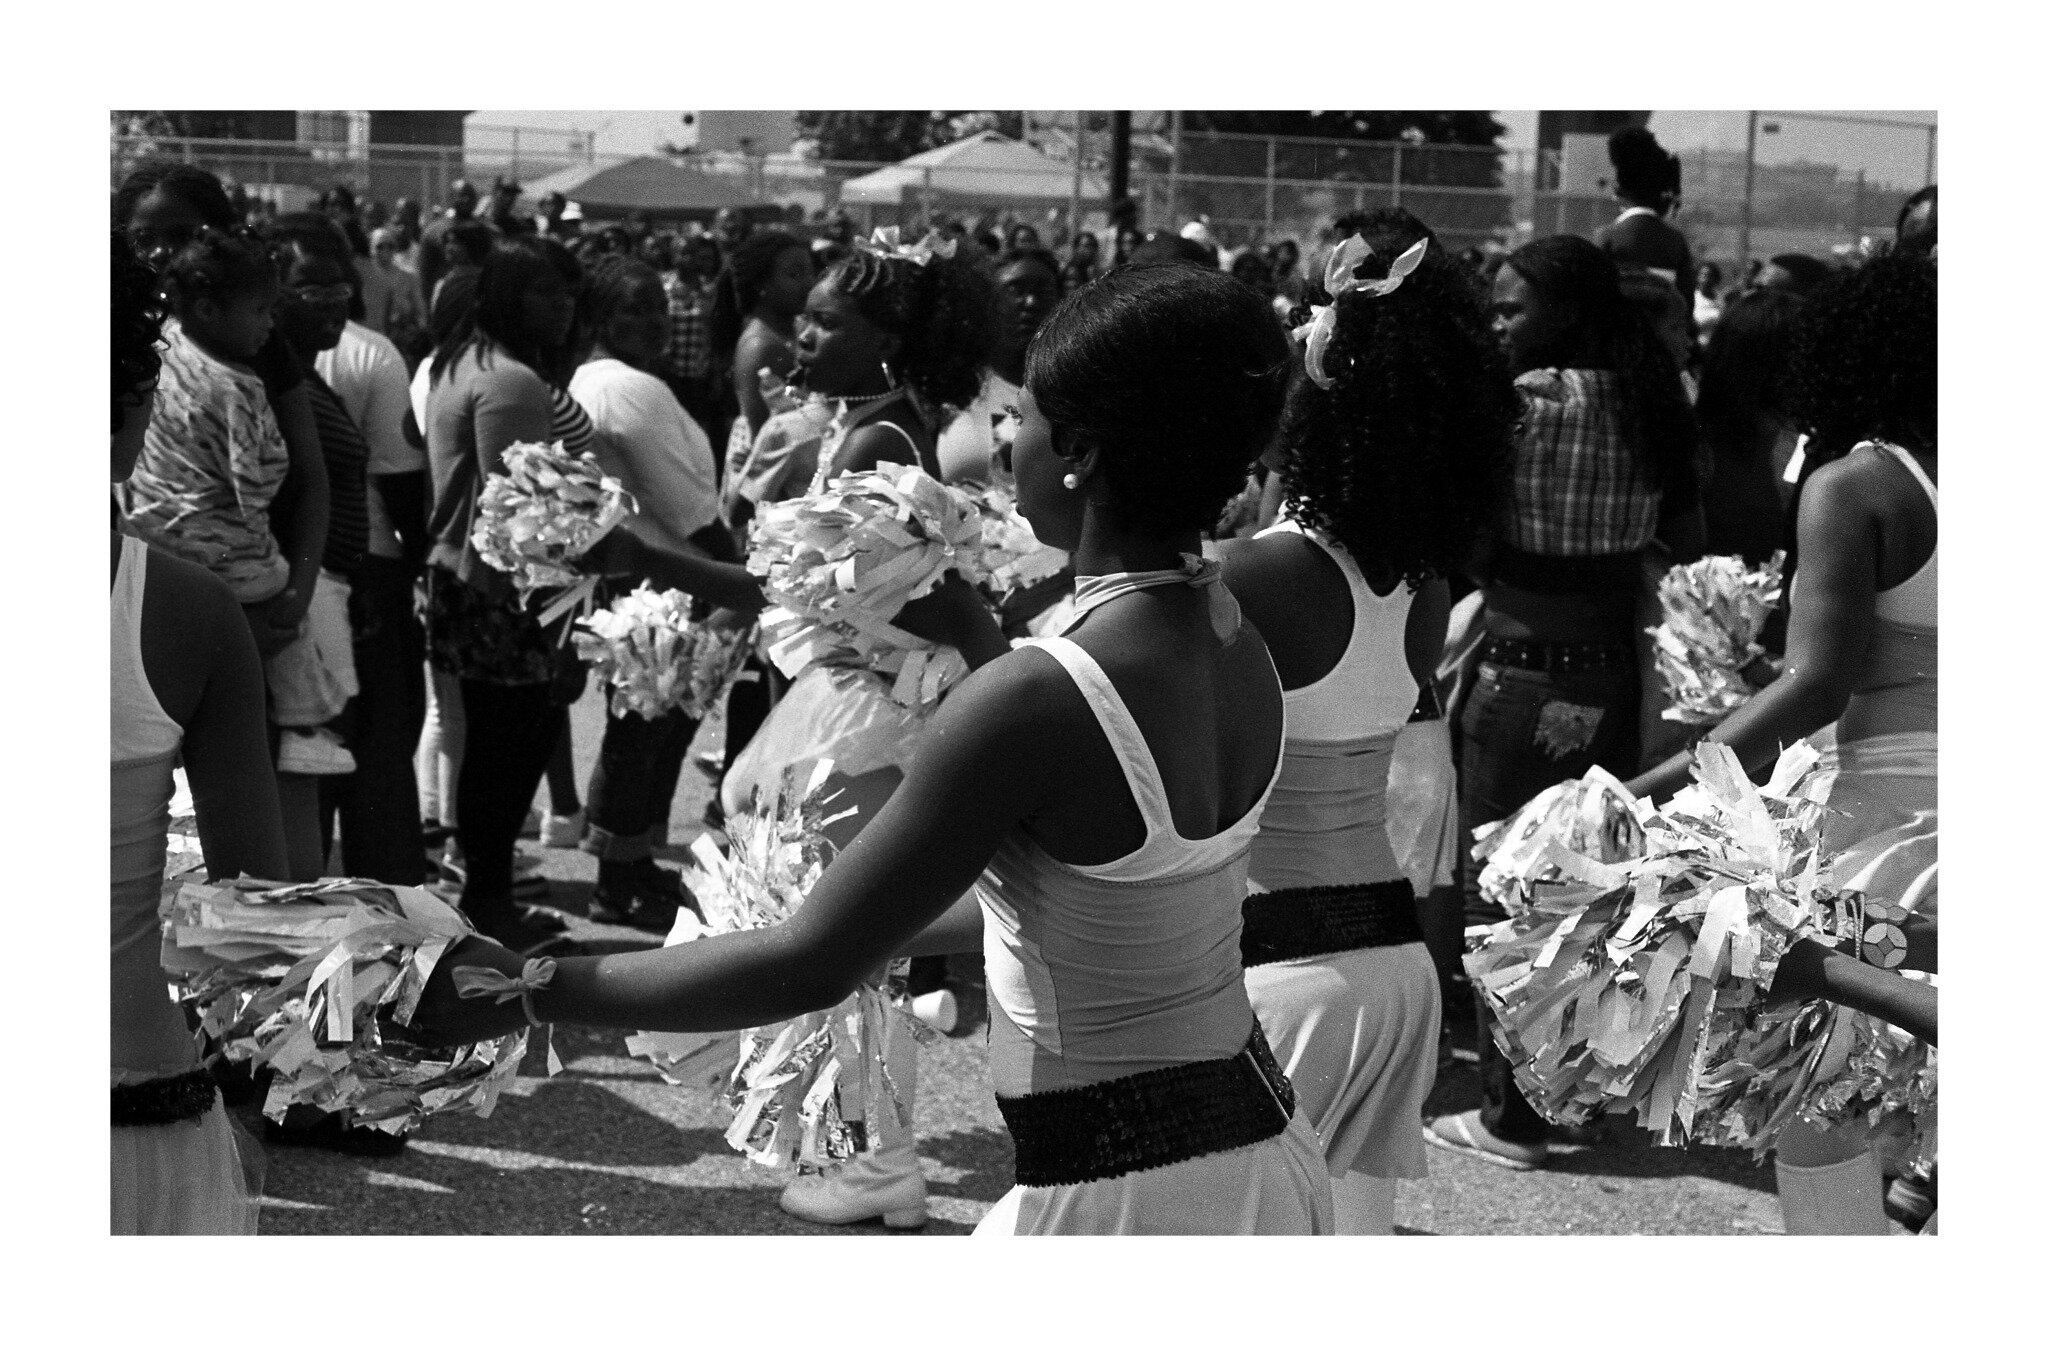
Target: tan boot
[{"x": 884, "y": 1182}]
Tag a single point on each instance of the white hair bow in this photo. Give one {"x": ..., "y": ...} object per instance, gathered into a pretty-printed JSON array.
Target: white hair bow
[
  {"x": 1339, "y": 278},
  {"x": 888, "y": 242}
]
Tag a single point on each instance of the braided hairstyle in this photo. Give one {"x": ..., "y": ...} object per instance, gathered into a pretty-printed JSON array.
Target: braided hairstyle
[
  {"x": 1176, "y": 374},
  {"x": 138, "y": 319},
  {"x": 1404, "y": 458},
  {"x": 189, "y": 183},
  {"x": 1612, "y": 333},
  {"x": 739, "y": 286},
  {"x": 945, "y": 314}
]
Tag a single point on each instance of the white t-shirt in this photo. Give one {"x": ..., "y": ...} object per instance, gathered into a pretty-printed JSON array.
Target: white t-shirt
[
  {"x": 368, "y": 374},
  {"x": 970, "y": 438},
  {"x": 646, "y": 440}
]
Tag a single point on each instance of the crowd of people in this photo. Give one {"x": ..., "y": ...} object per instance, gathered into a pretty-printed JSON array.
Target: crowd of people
[{"x": 1332, "y": 602}]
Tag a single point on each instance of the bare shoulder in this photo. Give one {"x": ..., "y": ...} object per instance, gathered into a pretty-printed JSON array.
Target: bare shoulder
[
  {"x": 1014, "y": 699},
  {"x": 1272, "y": 565}
]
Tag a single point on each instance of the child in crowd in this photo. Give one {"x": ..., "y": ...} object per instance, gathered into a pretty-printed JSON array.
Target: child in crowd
[{"x": 211, "y": 467}]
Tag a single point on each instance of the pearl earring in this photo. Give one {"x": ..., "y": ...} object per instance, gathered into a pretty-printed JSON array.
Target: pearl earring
[{"x": 1071, "y": 482}]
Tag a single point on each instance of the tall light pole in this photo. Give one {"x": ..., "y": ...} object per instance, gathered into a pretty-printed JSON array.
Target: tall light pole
[{"x": 1748, "y": 194}]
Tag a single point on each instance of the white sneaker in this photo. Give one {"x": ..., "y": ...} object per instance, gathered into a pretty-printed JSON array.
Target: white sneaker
[
  {"x": 940, "y": 1009},
  {"x": 313, "y": 753},
  {"x": 562, "y": 830},
  {"x": 887, "y": 1183}
]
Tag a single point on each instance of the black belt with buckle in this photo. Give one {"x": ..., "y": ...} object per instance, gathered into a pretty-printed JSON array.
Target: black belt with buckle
[{"x": 1548, "y": 657}]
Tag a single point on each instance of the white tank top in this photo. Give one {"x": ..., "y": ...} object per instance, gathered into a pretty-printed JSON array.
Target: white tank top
[
  {"x": 1911, "y": 602},
  {"x": 1371, "y": 690}
]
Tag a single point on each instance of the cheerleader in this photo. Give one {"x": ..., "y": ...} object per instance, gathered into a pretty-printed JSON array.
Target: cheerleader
[
  {"x": 1860, "y": 647},
  {"x": 186, "y": 683},
  {"x": 1104, "y": 786},
  {"x": 1392, "y": 456}
]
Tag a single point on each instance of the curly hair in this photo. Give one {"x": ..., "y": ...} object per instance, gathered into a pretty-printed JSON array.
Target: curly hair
[
  {"x": 945, "y": 313},
  {"x": 138, "y": 320},
  {"x": 216, "y": 263},
  {"x": 1863, "y": 357},
  {"x": 1612, "y": 333},
  {"x": 1404, "y": 459},
  {"x": 1176, "y": 374}
]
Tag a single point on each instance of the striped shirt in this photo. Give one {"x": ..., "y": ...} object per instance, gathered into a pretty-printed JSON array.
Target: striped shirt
[
  {"x": 347, "y": 456},
  {"x": 211, "y": 464},
  {"x": 1580, "y": 487}
]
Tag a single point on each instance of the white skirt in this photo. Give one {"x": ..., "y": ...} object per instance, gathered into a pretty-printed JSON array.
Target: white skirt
[
  {"x": 185, "y": 1177},
  {"x": 1357, "y": 1033},
  {"x": 1277, "y": 1186},
  {"x": 840, "y": 713},
  {"x": 1883, "y": 826}
]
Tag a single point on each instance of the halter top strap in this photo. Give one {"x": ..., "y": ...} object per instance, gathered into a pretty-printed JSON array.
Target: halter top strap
[{"x": 1092, "y": 591}]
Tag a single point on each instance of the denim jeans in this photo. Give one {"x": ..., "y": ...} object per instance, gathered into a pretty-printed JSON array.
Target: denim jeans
[
  {"x": 639, "y": 765},
  {"x": 1522, "y": 731}
]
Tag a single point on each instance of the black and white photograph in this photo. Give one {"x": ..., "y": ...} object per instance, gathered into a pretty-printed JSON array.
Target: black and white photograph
[{"x": 1004, "y": 672}]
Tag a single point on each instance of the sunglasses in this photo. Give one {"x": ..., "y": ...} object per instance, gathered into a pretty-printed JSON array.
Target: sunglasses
[{"x": 322, "y": 294}]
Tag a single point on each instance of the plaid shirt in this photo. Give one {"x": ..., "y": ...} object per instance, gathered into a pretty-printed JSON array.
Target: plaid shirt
[
  {"x": 1580, "y": 489},
  {"x": 689, "y": 327}
]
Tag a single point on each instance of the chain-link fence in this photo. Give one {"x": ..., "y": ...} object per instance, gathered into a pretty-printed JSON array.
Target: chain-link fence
[{"x": 1250, "y": 189}]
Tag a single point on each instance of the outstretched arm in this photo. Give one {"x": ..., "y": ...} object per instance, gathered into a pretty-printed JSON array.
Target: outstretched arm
[
  {"x": 982, "y": 769},
  {"x": 1814, "y": 970}
]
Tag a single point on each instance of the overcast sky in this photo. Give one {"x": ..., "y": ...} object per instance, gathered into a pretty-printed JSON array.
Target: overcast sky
[{"x": 1888, "y": 154}]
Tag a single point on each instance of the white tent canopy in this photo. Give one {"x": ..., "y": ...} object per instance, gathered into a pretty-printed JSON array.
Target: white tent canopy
[{"x": 984, "y": 167}]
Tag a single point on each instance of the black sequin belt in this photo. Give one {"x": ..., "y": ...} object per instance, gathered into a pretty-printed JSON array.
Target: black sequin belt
[
  {"x": 1149, "y": 1120},
  {"x": 159, "y": 1102},
  {"x": 1304, "y": 922}
]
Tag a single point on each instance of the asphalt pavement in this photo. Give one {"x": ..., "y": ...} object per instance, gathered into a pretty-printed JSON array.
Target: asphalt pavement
[{"x": 606, "y": 1147}]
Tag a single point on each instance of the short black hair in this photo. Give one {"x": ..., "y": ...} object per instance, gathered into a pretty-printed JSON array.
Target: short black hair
[
  {"x": 1176, "y": 374},
  {"x": 1806, "y": 272}
]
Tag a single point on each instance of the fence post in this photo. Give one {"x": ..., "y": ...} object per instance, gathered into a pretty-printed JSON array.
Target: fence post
[
  {"x": 1272, "y": 169},
  {"x": 515, "y": 154},
  {"x": 1397, "y": 175},
  {"x": 1173, "y": 175}
]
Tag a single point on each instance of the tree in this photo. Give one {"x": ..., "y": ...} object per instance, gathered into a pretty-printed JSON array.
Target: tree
[
  {"x": 890, "y": 136},
  {"x": 1436, "y": 128}
]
